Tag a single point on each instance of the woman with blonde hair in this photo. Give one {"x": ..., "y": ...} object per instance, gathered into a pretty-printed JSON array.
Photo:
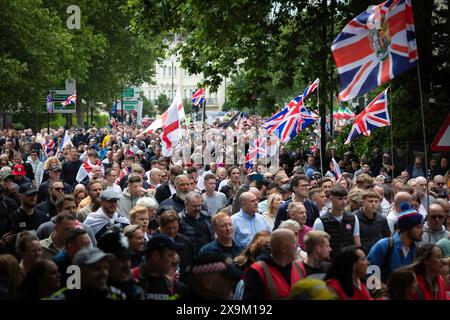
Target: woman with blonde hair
[
  {"x": 10, "y": 276},
  {"x": 273, "y": 203},
  {"x": 50, "y": 162}
]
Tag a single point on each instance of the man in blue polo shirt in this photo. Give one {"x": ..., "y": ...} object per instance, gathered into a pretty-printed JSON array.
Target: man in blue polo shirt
[
  {"x": 398, "y": 251},
  {"x": 247, "y": 222}
]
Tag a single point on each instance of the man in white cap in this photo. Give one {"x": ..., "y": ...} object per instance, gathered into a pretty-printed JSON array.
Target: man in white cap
[{"x": 106, "y": 216}]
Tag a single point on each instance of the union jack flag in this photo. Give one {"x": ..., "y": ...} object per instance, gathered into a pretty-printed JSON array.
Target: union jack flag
[
  {"x": 336, "y": 169},
  {"x": 294, "y": 117},
  {"x": 49, "y": 146},
  {"x": 375, "y": 47},
  {"x": 297, "y": 120},
  {"x": 256, "y": 150},
  {"x": 375, "y": 115},
  {"x": 198, "y": 97},
  {"x": 70, "y": 100}
]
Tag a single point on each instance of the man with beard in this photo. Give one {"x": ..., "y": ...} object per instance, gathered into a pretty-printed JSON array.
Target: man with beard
[
  {"x": 106, "y": 217},
  {"x": 56, "y": 190},
  {"x": 182, "y": 185},
  {"x": 398, "y": 251},
  {"x": 65, "y": 204},
  {"x": 27, "y": 217},
  {"x": 94, "y": 190}
]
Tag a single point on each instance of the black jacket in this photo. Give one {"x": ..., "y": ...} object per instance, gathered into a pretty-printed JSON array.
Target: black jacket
[
  {"x": 371, "y": 230},
  {"x": 70, "y": 171},
  {"x": 7, "y": 208},
  {"x": 47, "y": 207},
  {"x": 174, "y": 202},
  {"x": 162, "y": 193},
  {"x": 199, "y": 231}
]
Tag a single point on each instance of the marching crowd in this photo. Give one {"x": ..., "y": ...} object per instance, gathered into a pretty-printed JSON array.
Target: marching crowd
[{"x": 108, "y": 217}]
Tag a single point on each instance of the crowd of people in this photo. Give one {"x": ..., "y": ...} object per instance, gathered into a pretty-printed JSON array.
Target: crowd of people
[{"x": 108, "y": 217}]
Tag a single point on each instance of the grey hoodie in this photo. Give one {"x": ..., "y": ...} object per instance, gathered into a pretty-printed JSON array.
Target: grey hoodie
[{"x": 433, "y": 237}]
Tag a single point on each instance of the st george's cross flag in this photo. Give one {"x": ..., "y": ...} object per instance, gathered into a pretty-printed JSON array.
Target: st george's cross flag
[{"x": 171, "y": 134}]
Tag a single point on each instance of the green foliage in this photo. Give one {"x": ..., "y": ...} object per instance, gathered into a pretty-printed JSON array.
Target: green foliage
[
  {"x": 148, "y": 108},
  {"x": 162, "y": 103},
  {"x": 38, "y": 52}
]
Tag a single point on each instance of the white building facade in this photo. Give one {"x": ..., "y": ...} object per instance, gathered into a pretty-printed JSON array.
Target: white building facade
[{"x": 171, "y": 78}]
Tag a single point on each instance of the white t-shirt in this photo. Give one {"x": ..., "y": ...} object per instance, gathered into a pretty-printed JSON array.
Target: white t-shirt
[{"x": 318, "y": 225}]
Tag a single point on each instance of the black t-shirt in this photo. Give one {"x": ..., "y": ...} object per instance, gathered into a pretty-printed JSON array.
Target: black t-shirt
[
  {"x": 228, "y": 251},
  {"x": 25, "y": 221},
  {"x": 322, "y": 269},
  {"x": 70, "y": 171}
]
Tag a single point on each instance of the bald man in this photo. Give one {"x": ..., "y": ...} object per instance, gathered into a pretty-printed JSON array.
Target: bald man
[
  {"x": 273, "y": 277},
  {"x": 434, "y": 229},
  {"x": 439, "y": 183},
  {"x": 421, "y": 191},
  {"x": 247, "y": 222},
  {"x": 392, "y": 217}
]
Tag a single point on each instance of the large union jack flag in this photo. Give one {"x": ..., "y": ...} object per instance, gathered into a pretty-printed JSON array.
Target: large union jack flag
[
  {"x": 375, "y": 115},
  {"x": 198, "y": 97},
  {"x": 375, "y": 47}
]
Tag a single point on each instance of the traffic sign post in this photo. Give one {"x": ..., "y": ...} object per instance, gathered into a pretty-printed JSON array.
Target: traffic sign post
[{"x": 442, "y": 140}]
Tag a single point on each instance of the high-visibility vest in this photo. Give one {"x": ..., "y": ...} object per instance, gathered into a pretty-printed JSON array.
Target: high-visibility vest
[{"x": 275, "y": 285}]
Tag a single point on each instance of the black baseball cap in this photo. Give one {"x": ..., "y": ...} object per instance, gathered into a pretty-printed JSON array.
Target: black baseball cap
[
  {"x": 27, "y": 189},
  {"x": 162, "y": 240}
]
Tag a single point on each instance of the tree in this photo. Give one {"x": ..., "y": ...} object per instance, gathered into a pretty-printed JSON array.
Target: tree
[
  {"x": 148, "y": 108},
  {"x": 162, "y": 103},
  {"x": 273, "y": 49}
]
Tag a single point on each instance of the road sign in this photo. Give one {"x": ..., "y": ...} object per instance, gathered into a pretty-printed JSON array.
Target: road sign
[
  {"x": 58, "y": 100},
  {"x": 129, "y": 105},
  {"x": 131, "y": 92},
  {"x": 442, "y": 140},
  {"x": 60, "y": 96}
]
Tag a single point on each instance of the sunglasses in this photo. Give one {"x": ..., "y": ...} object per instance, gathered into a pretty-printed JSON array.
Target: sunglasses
[
  {"x": 58, "y": 189},
  {"x": 440, "y": 183},
  {"x": 437, "y": 217}
]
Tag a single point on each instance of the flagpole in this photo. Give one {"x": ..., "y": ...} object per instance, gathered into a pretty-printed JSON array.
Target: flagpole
[
  {"x": 320, "y": 135},
  {"x": 392, "y": 131},
  {"x": 424, "y": 135}
]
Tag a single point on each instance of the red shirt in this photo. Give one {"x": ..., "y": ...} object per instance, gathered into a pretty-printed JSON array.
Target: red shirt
[
  {"x": 425, "y": 291},
  {"x": 358, "y": 294}
]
